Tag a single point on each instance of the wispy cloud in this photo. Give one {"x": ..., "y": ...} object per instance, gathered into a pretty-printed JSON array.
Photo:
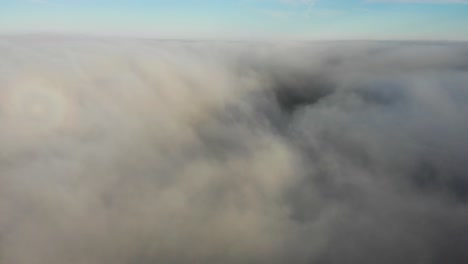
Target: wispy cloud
[
  {"x": 308, "y": 5},
  {"x": 423, "y": 1},
  {"x": 299, "y": 1}
]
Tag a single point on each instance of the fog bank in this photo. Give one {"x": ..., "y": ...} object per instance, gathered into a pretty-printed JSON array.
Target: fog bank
[{"x": 127, "y": 151}]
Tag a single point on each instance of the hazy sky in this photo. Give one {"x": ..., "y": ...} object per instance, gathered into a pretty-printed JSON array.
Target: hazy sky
[{"x": 241, "y": 19}]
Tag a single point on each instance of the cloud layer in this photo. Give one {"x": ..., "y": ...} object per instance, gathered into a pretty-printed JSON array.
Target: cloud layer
[{"x": 118, "y": 151}]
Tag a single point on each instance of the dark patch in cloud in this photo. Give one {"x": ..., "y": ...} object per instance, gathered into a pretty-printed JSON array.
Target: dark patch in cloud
[{"x": 301, "y": 91}]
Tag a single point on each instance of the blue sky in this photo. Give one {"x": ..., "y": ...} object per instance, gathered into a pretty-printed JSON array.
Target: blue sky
[{"x": 241, "y": 19}]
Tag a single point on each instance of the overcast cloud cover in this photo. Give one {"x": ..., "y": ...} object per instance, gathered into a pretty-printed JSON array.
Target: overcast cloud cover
[{"x": 126, "y": 151}]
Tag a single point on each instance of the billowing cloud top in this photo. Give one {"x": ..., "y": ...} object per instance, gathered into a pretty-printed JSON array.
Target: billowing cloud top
[{"x": 120, "y": 151}]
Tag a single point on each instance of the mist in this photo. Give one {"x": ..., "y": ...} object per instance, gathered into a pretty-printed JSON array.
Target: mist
[{"x": 142, "y": 151}]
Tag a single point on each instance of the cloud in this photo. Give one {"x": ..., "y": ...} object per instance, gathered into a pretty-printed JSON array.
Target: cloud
[
  {"x": 299, "y": 1},
  {"x": 127, "y": 151},
  {"x": 424, "y": 1}
]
